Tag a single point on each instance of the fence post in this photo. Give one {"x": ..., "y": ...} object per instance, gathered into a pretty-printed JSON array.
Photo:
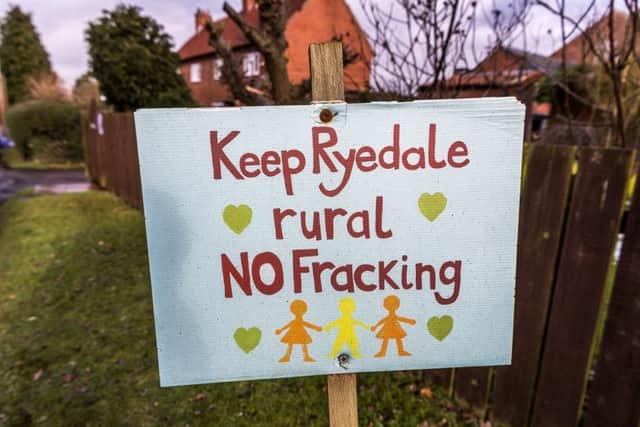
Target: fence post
[{"x": 327, "y": 85}]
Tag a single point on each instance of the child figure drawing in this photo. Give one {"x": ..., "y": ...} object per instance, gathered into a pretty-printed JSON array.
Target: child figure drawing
[
  {"x": 346, "y": 329},
  {"x": 391, "y": 328},
  {"x": 297, "y": 332}
]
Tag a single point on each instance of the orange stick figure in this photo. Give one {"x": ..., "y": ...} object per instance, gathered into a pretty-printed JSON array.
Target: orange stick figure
[
  {"x": 391, "y": 328},
  {"x": 297, "y": 333}
]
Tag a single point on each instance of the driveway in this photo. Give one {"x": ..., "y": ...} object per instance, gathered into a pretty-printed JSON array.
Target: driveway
[{"x": 13, "y": 180}]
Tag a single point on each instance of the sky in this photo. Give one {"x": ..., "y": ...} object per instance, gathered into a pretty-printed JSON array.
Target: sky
[{"x": 61, "y": 24}]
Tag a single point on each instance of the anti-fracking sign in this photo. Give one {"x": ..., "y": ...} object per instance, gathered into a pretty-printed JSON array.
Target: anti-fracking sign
[{"x": 281, "y": 245}]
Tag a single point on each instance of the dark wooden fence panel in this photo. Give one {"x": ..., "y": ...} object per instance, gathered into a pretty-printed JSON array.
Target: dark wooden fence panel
[
  {"x": 119, "y": 175},
  {"x": 615, "y": 395},
  {"x": 591, "y": 233},
  {"x": 127, "y": 172},
  {"x": 134, "y": 187},
  {"x": 542, "y": 210},
  {"x": 472, "y": 385},
  {"x": 113, "y": 138},
  {"x": 122, "y": 174},
  {"x": 110, "y": 143},
  {"x": 440, "y": 377}
]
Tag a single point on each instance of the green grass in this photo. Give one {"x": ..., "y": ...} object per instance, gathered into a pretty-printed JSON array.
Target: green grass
[
  {"x": 77, "y": 342},
  {"x": 15, "y": 160}
]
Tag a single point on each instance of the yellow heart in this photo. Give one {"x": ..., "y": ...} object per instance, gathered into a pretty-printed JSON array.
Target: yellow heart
[
  {"x": 237, "y": 218},
  {"x": 432, "y": 206},
  {"x": 247, "y": 339},
  {"x": 439, "y": 327}
]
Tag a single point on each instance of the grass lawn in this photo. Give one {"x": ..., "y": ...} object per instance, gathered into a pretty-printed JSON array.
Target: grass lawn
[
  {"x": 14, "y": 159},
  {"x": 77, "y": 343}
]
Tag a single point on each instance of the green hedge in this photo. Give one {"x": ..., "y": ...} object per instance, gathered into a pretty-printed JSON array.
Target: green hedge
[{"x": 46, "y": 130}]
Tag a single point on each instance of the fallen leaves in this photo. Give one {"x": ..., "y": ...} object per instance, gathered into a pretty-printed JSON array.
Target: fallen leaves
[
  {"x": 38, "y": 374},
  {"x": 426, "y": 392},
  {"x": 104, "y": 247}
]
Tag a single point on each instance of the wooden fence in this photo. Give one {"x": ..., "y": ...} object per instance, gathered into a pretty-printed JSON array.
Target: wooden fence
[
  {"x": 569, "y": 366},
  {"x": 111, "y": 154}
]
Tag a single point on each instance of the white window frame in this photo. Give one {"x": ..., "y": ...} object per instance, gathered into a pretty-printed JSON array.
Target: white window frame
[
  {"x": 195, "y": 72},
  {"x": 251, "y": 64},
  {"x": 217, "y": 68}
]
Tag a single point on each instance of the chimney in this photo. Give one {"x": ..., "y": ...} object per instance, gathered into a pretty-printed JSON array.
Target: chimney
[
  {"x": 202, "y": 17},
  {"x": 247, "y": 5}
]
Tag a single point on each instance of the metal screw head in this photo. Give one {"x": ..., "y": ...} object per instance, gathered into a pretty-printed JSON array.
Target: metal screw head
[
  {"x": 343, "y": 360},
  {"x": 326, "y": 115}
]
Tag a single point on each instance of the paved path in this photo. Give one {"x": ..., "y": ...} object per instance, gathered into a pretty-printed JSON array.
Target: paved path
[{"x": 13, "y": 180}]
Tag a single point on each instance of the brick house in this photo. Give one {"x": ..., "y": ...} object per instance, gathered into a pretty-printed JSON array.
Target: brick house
[
  {"x": 507, "y": 71},
  {"x": 578, "y": 51},
  {"x": 590, "y": 123},
  {"x": 308, "y": 21}
]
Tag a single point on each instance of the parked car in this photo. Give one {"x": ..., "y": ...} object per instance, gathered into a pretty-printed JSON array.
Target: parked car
[{"x": 6, "y": 142}]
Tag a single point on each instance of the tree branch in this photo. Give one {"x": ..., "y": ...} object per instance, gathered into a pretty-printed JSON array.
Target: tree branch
[
  {"x": 270, "y": 41},
  {"x": 254, "y": 35},
  {"x": 231, "y": 69}
]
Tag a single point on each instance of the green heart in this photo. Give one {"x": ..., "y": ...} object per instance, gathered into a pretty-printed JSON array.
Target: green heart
[
  {"x": 432, "y": 205},
  {"x": 237, "y": 218},
  {"x": 439, "y": 327},
  {"x": 247, "y": 339}
]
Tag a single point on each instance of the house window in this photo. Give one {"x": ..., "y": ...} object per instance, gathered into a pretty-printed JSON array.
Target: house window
[
  {"x": 217, "y": 68},
  {"x": 251, "y": 64},
  {"x": 195, "y": 73}
]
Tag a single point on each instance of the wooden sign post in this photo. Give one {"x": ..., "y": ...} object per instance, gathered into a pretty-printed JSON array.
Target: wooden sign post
[
  {"x": 327, "y": 86},
  {"x": 331, "y": 238}
]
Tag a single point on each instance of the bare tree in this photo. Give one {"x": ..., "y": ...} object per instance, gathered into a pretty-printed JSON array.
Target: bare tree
[
  {"x": 269, "y": 39},
  {"x": 611, "y": 49},
  {"x": 417, "y": 42},
  {"x": 420, "y": 43},
  {"x": 507, "y": 26}
]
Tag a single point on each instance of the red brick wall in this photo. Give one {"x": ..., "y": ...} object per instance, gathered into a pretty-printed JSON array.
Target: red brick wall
[
  {"x": 320, "y": 21},
  {"x": 208, "y": 90}
]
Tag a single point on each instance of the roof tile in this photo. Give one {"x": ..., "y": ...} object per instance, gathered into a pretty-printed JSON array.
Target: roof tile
[{"x": 198, "y": 44}]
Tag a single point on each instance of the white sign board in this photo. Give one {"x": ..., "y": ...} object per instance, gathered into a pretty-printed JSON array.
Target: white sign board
[{"x": 278, "y": 242}]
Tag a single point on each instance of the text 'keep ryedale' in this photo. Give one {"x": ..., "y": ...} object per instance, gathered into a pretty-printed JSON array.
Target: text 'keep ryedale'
[{"x": 327, "y": 157}]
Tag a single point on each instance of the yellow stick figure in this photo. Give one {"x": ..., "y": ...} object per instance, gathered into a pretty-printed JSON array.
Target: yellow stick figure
[{"x": 346, "y": 329}]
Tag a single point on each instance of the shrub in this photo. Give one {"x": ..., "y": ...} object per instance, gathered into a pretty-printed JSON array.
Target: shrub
[
  {"x": 46, "y": 130},
  {"x": 47, "y": 86}
]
